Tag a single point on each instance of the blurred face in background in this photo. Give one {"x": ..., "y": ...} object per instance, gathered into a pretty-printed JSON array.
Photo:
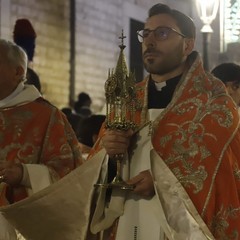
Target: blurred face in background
[{"x": 233, "y": 89}]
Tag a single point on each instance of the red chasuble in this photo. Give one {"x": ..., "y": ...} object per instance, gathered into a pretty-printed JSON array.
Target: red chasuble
[
  {"x": 37, "y": 133},
  {"x": 198, "y": 138}
]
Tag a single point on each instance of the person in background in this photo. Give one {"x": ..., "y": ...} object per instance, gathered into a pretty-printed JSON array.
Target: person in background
[
  {"x": 38, "y": 145},
  {"x": 73, "y": 119},
  {"x": 82, "y": 106},
  {"x": 88, "y": 131},
  {"x": 25, "y": 36},
  {"x": 183, "y": 160},
  {"x": 33, "y": 79},
  {"x": 229, "y": 74}
]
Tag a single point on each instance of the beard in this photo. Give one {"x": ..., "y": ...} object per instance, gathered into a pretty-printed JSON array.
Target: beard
[{"x": 163, "y": 63}]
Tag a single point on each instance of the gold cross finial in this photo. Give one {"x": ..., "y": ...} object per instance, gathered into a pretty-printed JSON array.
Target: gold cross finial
[{"x": 122, "y": 46}]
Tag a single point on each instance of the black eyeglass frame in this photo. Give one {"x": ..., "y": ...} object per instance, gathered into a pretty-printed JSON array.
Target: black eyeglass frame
[{"x": 141, "y": 37}]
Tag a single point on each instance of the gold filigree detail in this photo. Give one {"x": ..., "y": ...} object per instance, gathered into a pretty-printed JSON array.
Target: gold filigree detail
[
  {"x": 120, "y": 92},
  {"x": 165, "y": 139},
  {"x": 205, "y": 153},
  {"x": 190, "y": 136},
  {"x": 220, "y": 224},
  {"x": 195, "y": 178},
  {"x": 236, "y": 172}
]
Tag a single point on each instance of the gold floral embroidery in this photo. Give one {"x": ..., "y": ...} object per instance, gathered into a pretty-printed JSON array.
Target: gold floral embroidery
[
  {"x": 195, "y": 177},
  {"x": 204, "y": 152},
  {"x": 165, "y": 139},
  {"x": 220, "y": 223},
  {"x": 187, "y": 139},
  {"x": 236, "y": 172}
]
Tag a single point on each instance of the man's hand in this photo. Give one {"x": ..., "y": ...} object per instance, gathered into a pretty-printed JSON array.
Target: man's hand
[
  {"x": 116, "y": 141},
  {"x": 143, "y": 183},
  {"x": 11, "y": 173}
]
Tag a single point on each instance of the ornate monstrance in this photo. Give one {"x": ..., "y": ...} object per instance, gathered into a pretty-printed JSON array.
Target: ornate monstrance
[{"x": 120, "y": 94}]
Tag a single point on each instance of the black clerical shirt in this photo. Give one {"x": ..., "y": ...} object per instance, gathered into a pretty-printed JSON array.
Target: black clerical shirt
[{"x": 161, "y": 98}]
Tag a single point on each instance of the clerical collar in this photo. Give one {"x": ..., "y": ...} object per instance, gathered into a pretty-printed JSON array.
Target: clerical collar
[
  {"x": 160, "y": 85},
  {"x": 12, "y": 95},
  {"x": 159, "y": 96},
  {"x": 170, "y": 83}
]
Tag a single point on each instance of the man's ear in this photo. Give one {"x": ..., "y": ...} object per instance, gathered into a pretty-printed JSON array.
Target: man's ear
[
  {"x": 19, "y": 73},
  {"x": 189, "y": 45}
]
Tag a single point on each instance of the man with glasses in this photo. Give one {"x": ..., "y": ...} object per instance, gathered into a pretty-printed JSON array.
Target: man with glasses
[{"x": 185, "y": 156}]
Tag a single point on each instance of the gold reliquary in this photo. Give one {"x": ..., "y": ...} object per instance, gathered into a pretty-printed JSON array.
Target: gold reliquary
[{"x": 120, "y": 92}]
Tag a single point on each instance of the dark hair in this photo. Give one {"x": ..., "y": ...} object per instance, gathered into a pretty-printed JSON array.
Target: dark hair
[
  {"x": 88, "y": 128},
  {"x": 33, "y": 79},
  {"x": 227, "y": 72},
  {"x": 82, "y": 105},
  {"x": 83, "y": 98},
  {"x": 184, "y": 22}
]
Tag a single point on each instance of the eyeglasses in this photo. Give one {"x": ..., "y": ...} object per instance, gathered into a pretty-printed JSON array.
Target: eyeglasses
[{"x": 160, "y": 33}]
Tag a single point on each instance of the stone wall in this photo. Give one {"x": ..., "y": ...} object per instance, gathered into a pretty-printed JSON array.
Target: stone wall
[
  {"x": 98, "y": 25},
  {"x": 51, "y": 23}
]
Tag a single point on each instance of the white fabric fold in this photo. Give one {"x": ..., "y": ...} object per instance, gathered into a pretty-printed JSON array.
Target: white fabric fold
[
  {"x": 139, "y": 212},
  {"x": 22, "y": 94},
  {"x": 7, "y": 232},
  {"x": 60, "y": 211},
  {"x": 179, "y": 219},
  {"x": 39, "y": 177},
  {"x": 105, "y": 214}
]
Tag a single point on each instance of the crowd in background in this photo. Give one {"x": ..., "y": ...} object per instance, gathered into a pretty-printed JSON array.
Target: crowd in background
[
  {"x": 77, "y": 128},
  {"x": 84, "y": 122}
]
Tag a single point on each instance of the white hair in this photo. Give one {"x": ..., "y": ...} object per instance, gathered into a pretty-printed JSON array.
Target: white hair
[{"x": 14, "y": 55}]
